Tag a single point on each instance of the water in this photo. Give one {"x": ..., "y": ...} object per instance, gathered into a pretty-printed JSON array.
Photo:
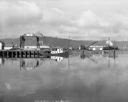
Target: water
[{"x": 94, "y": 78}]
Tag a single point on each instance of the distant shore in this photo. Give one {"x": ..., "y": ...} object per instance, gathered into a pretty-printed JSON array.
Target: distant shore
[{"x": 66, "y": 43}]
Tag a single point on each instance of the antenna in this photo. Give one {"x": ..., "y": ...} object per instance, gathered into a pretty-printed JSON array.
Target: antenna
[{"x": 68, "y": 51}]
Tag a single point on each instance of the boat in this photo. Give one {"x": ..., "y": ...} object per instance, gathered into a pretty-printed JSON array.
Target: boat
[
  {"x": 59, "y": 52},
  {"x": 54, "y": 52}
]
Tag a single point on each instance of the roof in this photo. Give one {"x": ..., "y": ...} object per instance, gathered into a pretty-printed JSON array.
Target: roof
[
  {"x": 29, "y": 34},
  {"x": 100, "y": 43}
]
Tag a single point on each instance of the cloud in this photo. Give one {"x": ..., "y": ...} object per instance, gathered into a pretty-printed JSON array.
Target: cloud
[
  {"x": 88, "y": 18},
  {"x": 20, "y": 12},
  {"x": 79, "y": 17},
  {"x": 89, "y": 23},
  {"x": 55, "y": 17}
]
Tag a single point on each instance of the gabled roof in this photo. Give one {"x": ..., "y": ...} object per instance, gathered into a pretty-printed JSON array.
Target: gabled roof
[
  {"x": 103, "y": 43},
  {"x": 100, "y": 43}
]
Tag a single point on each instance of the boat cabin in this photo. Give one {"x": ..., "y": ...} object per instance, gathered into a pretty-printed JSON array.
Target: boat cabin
[{"x": 57, "y": 50}]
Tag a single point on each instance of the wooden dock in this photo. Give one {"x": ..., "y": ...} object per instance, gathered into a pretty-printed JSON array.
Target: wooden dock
[{"x": 19, "y": 53}]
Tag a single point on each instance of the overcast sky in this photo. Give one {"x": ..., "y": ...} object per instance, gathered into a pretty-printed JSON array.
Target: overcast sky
[{"x": 81, "y": 19}]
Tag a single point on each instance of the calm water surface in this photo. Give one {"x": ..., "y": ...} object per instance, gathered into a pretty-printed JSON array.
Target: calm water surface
[{"x": 94, "y": 79}]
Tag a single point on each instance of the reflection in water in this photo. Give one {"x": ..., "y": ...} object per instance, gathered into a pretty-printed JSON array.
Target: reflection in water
[
  {"x": 29, "y": 64},
  {"x": 57, "y": 58},
  {"x": 109, "y": 53},
  {"x": 54, "y": 82},
  {"x": 88, "y": 55},
  {"x": 2, "y": 61},
  {"x": 85, "y": 54}
]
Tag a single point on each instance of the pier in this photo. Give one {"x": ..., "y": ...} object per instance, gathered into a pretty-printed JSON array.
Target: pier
[{"x": 19, "y": 53}]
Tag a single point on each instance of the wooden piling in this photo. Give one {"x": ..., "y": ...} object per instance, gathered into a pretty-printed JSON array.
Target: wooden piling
[{"x": 19, "y": 53}]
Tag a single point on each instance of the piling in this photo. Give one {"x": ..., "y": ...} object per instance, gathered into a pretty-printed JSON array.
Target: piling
[{"x": 19, "y": 53}]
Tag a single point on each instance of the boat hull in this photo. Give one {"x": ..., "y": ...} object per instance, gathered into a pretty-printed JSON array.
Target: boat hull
[{"x": 48, "y": 54}]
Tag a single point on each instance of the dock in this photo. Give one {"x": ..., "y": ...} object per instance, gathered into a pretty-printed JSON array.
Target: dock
[{"x": 20, "y": 53}]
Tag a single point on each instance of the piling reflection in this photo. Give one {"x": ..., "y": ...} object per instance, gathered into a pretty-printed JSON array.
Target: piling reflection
[
  {"x": 110, "y": 53},
  {"x": 108, "y": 56},
  {"x": 30, "y": 63},
  {"x": 86, "y": 54},
  {"x": 2, "y": 61}
]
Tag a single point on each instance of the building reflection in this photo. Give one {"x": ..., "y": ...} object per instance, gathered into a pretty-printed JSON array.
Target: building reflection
[
  {"x": 109, "y": 53},
  {"x": 85, "y": 54},
  {"x": 29, "y": 64},
  {"x": 88, "y": 55}
]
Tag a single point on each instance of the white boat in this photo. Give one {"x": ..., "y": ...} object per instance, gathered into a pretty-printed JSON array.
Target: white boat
[
  {"x": 56, "y": 50},
  {"x": 59, "y": 52}
]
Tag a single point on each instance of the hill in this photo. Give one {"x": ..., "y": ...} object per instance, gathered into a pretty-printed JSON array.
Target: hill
[{"x": 59, "y": 42}]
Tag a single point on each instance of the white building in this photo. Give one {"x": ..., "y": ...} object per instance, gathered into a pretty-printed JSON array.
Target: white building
[
  {"x": 96, "y": 47},
  {"x": 30, "y": 47},
  {"x": 109, "y": 43},
  {"x": 1, "y": 45}
]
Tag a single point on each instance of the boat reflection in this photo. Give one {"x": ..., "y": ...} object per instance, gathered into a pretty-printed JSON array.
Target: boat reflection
[{"x": 57, "y": 58}]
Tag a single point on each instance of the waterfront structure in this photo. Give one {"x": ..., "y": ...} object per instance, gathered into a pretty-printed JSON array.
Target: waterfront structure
[
  {"x": 104, "y": 45},
  {"x": 8, "y": 46},
  {"x": 32, "y": 42},
  {"x": 20, "y": 53},
  {"x": 29, "y": 42},
  {"x": 43, "y": 46},
  {"x": 96, "y": 47},
  {"x": 2, "y": 45},
  {"x": 29, "y": 46},
  {"x": 56, "y": 50},
  {"x": 83, "y": 47}
]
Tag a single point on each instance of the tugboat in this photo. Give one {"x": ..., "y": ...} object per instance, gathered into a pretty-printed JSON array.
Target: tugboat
[
  {"x": 47, "y": 53},
  {"x": 59, "y": 52}
]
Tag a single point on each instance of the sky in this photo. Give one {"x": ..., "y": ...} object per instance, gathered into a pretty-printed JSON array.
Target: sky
[{"x": 77, "y": 19}]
